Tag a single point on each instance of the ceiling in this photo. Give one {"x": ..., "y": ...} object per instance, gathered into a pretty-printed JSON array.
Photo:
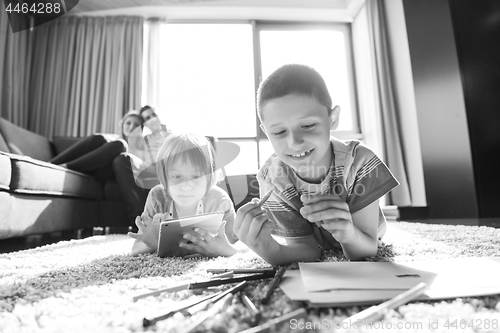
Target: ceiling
[{"x": 315, "y": 10}]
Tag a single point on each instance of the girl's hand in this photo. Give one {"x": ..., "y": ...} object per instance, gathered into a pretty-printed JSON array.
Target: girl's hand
[
  {"x": 208, "y": 245},
  {"x": 149, "y": 229},
  {"x": 330, "y": 212}
]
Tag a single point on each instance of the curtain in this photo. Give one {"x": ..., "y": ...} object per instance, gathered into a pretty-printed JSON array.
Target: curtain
[
  {"x": 152, "y": 61},
  {"x": 15, "y": 68},
  {"x": 391, "y": 128},
  {"x": 86, "y": 74}
]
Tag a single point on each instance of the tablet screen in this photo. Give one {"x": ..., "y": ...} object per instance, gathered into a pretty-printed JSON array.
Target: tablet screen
[{"x": 171, "y": 232}]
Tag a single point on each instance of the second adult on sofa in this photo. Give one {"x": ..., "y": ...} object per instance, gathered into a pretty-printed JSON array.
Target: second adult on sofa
[
  {"x": 135, "y": 169},
  {"x": 94, "y": 154}
]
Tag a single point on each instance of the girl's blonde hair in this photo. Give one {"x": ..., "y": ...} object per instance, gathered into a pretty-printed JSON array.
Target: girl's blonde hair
[
  {"x": 190, "y": 147},
  {"x": 130, "y": 113}
]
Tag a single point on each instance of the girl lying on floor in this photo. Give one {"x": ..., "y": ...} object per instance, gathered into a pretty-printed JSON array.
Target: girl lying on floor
[{"x": 186, "y": 169}]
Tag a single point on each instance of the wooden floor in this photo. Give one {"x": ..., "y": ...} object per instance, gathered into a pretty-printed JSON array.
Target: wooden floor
[{"x": 23, "y": 243}]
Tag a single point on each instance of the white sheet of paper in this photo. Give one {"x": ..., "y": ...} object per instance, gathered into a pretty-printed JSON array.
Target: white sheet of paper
[
  {"x": 294, "y": 289},
  {"x": 461, "y": 273},
  {"x": 362, "y": 275},
  {"x": 457, "y": 277}
]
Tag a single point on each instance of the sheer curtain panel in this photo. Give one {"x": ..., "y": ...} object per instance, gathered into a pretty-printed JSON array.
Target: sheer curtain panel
[
  {"x": 86, "y": 74},
  {"x": 15, "y": 68},
  {"x": 391, "y": 128}
]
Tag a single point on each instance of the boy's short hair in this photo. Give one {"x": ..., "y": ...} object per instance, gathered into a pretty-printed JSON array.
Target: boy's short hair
[
  {"x": 187, "y": 147},
  {"x": 293, "y": 79}
]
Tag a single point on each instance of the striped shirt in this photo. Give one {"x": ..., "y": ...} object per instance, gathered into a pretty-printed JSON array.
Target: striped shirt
[{"x": 356, "y": 174}]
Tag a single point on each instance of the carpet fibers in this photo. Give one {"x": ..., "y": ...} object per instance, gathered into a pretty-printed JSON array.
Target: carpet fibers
[{"x": 87, "y": 286}]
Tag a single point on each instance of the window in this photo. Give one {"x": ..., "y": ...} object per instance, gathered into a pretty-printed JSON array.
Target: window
[
  {"x": 208, "y": 72},
  {"x": 325, "y": 48},
  {"x": 207, "y": 80}
]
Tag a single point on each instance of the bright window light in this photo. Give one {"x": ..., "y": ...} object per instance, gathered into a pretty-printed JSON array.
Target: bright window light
[
  {"x": 207, "y": 82},
  {"x": 324, "y": 50},
  {"x": 246, "y": 161}
]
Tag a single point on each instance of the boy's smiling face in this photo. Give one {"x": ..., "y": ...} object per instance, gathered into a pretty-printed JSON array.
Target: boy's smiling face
[{"x": 298, "y": 127}]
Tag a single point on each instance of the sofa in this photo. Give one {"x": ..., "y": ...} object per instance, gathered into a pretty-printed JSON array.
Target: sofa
[{"x": 39, "y": 197}]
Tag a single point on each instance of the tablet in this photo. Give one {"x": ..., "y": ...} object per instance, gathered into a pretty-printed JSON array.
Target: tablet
[{"x": 171, "y": 232}]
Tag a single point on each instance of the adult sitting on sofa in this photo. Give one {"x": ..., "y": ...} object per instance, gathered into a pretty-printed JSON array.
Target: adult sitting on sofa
[
  {"x": 40, "y": 197},
  {"x": 140, "y": 159},
  {"x": 94, "y": 154}
]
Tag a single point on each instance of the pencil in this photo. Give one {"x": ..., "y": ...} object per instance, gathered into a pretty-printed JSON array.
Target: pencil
[
  {"x": 220, "y": 282},
  {"x": 214, "y": 282},
  {"x": 255, "y": 313},
  {"x": 264, "y": 199},
  {"x": 217, "y": 307},
  {"x": 274, "y": 283},
  {"x": 374, "y": 313},
  {"x": 160, "y": 291},
  {"x": 241, "y": 270},
  {"x": 147, "y": 321},
  {"x": 228, "y": 274},
  {"x": 203, "y": 305}
]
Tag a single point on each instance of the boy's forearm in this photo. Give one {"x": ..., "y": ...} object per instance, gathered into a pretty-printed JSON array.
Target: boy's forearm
[
  {"x": 294, "y": 251},
  {"x": 297, "y": 253},
  {"x": 361, "y": 247}
]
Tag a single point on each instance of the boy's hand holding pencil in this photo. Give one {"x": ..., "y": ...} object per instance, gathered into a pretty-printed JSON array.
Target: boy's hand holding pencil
[
  {"x": 330, "y": 212},
  {"x": 253, "y": 228}
]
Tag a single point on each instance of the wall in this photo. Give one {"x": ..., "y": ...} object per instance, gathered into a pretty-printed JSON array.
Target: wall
[
  {"x": 477, "y": 33},
  {"x": 441, "y": 114}
]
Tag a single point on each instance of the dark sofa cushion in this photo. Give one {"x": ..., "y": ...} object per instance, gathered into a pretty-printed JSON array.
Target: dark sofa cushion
[
  {"x": 5, "y": 171},
  {"x": 37, "y": 177},
  {"x": 29, "y": 214},
  {"x": 23, "y": 141}
]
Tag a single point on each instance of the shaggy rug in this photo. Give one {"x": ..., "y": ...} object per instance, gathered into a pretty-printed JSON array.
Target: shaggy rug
[{"x": 87, "y": 286}]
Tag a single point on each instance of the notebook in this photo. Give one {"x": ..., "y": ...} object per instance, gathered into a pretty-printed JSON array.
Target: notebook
[
  {"x": 341, "y": 284},
  {"x": 171, "y": 232}
]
